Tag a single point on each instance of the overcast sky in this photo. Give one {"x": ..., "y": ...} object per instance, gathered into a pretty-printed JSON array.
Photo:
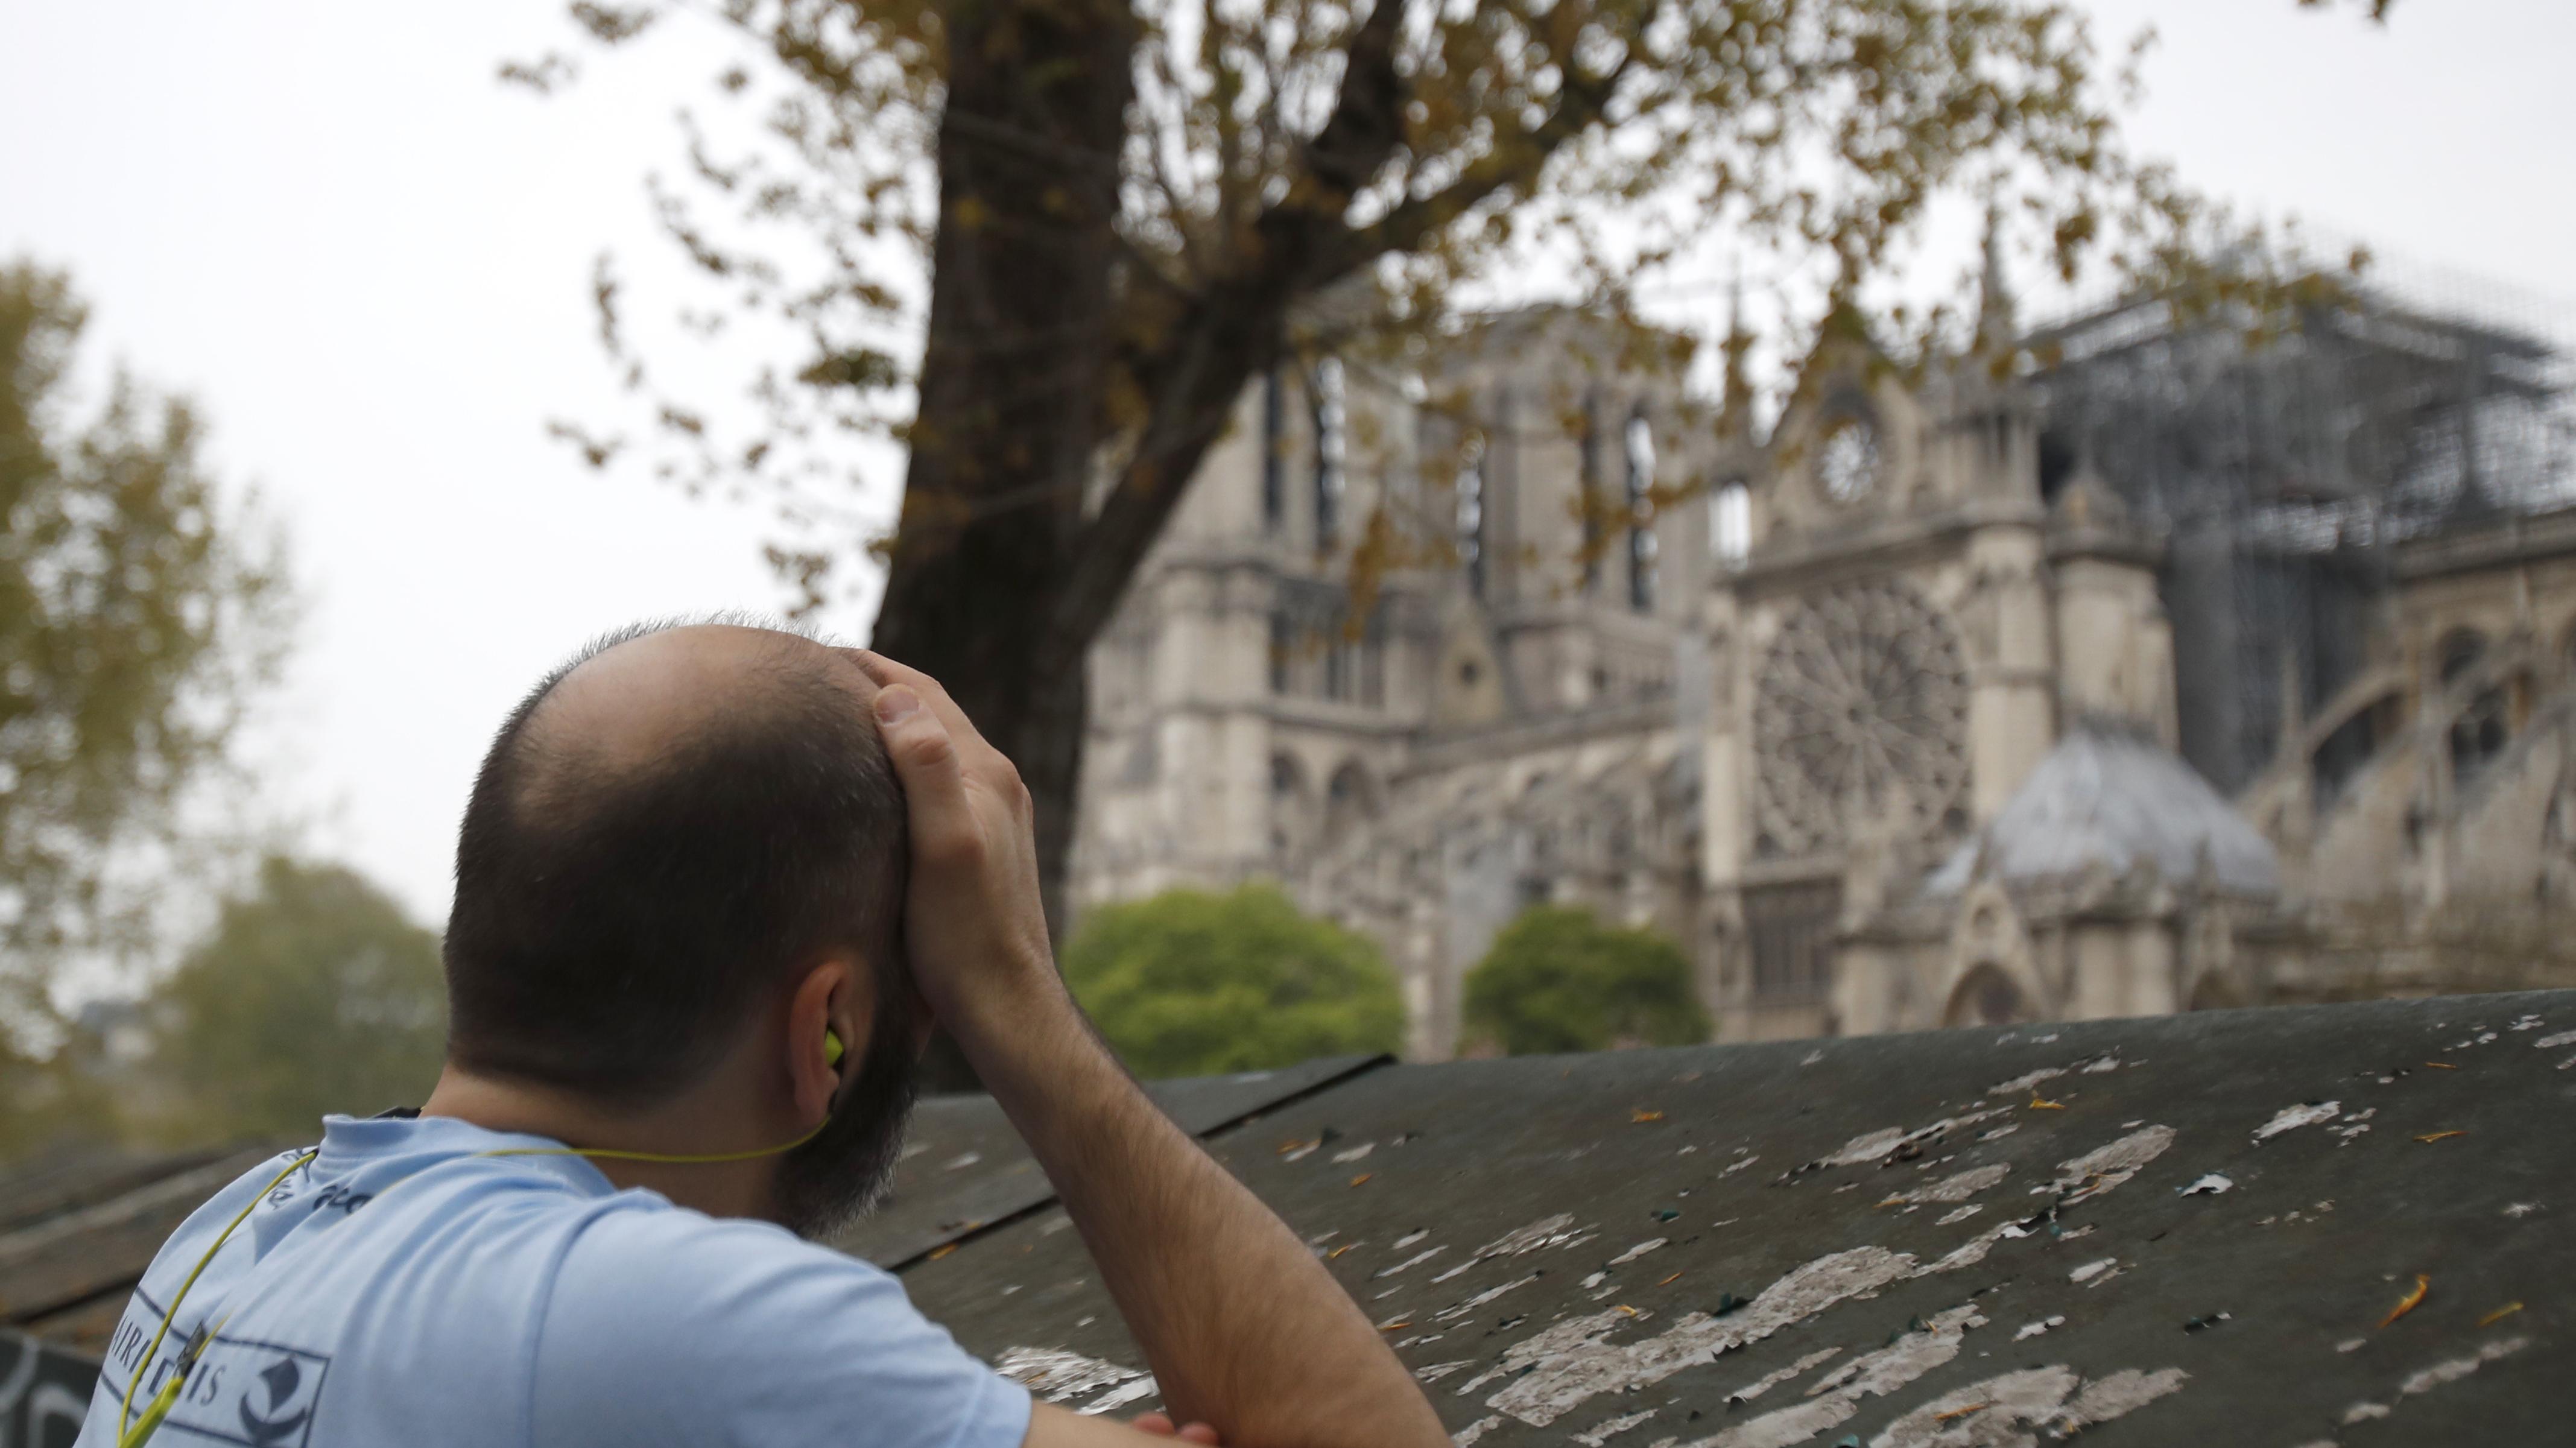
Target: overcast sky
[{"x": 369, "y": 262}]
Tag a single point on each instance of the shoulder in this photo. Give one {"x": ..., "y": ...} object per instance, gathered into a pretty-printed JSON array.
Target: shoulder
[{"x": 700, "y": 1324}]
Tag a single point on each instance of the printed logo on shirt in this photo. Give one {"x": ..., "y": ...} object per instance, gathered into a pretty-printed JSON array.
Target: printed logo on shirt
[{"x": 258, "y": 1394}]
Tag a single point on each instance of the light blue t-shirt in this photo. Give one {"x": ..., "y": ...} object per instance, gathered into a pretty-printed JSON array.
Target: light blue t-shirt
[{"x": 402, "y": 1290}]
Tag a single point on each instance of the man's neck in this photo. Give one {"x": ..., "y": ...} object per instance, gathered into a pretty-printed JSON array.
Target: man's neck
[{"x": 694, "y": 1124}]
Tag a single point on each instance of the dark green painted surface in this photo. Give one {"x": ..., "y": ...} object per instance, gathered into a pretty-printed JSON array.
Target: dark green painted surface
[{"x": 2323, "y": 1232}]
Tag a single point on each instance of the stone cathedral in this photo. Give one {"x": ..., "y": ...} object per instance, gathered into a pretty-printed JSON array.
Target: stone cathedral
[{"x": 2172, "y": 673}]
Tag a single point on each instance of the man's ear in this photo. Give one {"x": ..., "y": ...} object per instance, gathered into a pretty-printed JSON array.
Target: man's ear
[{"x": 832, "y": 1000}]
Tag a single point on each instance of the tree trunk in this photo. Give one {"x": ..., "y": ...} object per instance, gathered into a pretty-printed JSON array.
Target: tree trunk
[
  {"x": 1023, "y": 281},
  {"x": 1000, "y": 581}
]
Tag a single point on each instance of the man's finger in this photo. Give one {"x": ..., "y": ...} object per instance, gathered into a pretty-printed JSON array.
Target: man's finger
[
  {"x": 888, "y": 673},
  {"x": 1155, "y": 1423},
  {"x": 925, "y": 759}
]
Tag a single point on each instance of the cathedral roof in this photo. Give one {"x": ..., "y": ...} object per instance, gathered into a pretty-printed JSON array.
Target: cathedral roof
[{"x": 2107, "y": 796}]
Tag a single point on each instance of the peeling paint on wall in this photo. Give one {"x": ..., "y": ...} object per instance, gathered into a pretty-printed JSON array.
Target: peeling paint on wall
[
  {"x": 1613, "y": 1428},
  {"x": 2022, "y": 1083},
  {"x": 2101, "y": 1171},
  {"x": 1990, "y": 1414},
  {"x": 1836, "y": 1399},
  {"x": 1059, "y": 1376},
  {"x": 2457, "y": 1368},
  {"x": 1762, "y": 1385},
  {"x": 1587, "y": 1364},
  {"x": 1416, "y": 1260},
  {"x": 1554, "y": 1231},
  {"x": 1958, "y": 1187},
  {"x": 2291, "y": 1118}
]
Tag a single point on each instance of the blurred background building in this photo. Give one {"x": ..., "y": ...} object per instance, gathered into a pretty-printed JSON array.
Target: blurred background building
[{"x": 2126, "y": 665}]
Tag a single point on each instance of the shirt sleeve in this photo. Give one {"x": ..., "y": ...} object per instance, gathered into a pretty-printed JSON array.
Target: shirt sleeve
[{"x": 668, "y": 1327}]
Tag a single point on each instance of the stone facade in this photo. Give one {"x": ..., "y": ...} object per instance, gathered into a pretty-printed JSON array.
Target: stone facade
[{"x": 1882, "y": 713}]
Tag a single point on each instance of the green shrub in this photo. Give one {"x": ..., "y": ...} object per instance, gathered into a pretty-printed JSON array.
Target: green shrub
[
  {"x": 1557, "y": 979},
  {"x": 1191, "y": 983}
]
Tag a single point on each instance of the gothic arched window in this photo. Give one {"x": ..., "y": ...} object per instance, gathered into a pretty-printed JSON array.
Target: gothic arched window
[
  {"x": 1324, "y": 395},
  {"x": 1471, "y": 511},
  {"x": 1641, "y": 513}
]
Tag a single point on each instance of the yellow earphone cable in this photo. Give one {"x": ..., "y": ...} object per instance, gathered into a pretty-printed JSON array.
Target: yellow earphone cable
[
  {"x": 160, "y": 1405},
  {"x": 162, "y": 1402},
  {"x": 664, "y": 1158}
]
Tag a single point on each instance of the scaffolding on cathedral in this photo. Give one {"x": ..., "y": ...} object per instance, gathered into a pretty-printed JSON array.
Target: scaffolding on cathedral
[{"x": 2281, "y": 463}]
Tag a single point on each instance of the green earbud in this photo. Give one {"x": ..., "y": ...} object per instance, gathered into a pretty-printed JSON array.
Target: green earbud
[{"x": 832, "y": 1048}]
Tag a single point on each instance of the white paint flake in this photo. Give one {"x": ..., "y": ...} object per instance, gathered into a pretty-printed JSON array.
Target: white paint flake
[
  {"x": 1878, "y": 1145},
  {"x": 2520, "y": 1210},
  {"x": 2022, "y": 1083},
  {"x": 1733, "y": 1167},
  {"x": 1613, "y": 1428},
  {"x": 1457, "y": 1271},
  {"x": 1436, "y": 1371},
  {"x": 2352, "y": 1344},
  {"x": 2053, "y": 1400},
  {"x": 1812, "y": 1057},
  {"x": 2435, "y": 1376},
  {"x": 2101, "y": 1171},
  {"x": 2291, "y": 1118},
  {"x": 962, "y": 1160},
  {"x": 1968, "y": 1256},
  {"x": 1416, "y": 1260},
  {"x": 1957, "y": 1188},
  {"x": 2108, "y": 1061},
  {"x": 1993, "y": 1132},
  {"x": 1134, "y": 1390},
  {"x": 1762, "y": 1385},
  {"x": 1409, "y": 1238},
  {"x": 1954, "y": 1217},
  {"x": 1573, "y": 1360},
  {"x": 1355, "y": 1153},
  {"x": 1553, "y": 1231},
  {"x": 2553, "y": 1042},
  {"x": 2524, "y": 1023},
  {"x": 2363, "y": 1413},
  {"x": 2091, "y": 1270},
  {"x": 1060, "y": 1376},
  {"x": 1452, "y": 1313},
  {"x": 1475, "y": 1430},
  {"x": 2210, "y": 1185},
  {"x": 1640, "y": 1250},
  {"x": 2029, "y": 1330},
  {"x": 1836, "y": 1399},
  {"x": 1300, "y": 1153}
]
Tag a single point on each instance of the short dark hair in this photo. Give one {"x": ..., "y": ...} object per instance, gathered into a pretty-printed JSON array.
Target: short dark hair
[{"x": 613, "y": 927}]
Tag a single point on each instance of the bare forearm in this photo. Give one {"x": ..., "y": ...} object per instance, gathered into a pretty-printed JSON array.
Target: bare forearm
[{"x": 1238, "y": 1320}]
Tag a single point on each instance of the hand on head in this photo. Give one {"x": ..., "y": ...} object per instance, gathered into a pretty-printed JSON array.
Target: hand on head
[{"x": 974, "y": 921}]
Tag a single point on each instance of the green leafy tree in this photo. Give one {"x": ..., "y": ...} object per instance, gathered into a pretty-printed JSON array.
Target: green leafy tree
[
  {"x": 136, "y": 620},
  {"x": 313, "y": 994},
  {"x": 1190, "y": 983},
  {"x": 1557, "y": 979},
  {"x": 1046, "y": 244}
]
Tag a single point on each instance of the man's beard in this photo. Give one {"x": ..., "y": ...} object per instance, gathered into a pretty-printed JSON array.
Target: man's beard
[{"x": 826, "y": 1184}]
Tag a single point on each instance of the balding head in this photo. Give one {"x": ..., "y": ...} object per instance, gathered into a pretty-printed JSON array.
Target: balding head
[{"x": 664, "y": 832}]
